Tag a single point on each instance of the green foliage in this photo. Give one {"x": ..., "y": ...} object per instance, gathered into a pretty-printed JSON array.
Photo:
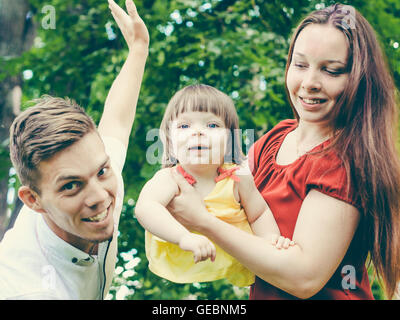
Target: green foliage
[{"x": 240, "y": 47}]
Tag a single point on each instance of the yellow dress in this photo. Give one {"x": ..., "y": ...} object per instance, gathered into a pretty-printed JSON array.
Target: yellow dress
[{"x": 169, "y": 261}]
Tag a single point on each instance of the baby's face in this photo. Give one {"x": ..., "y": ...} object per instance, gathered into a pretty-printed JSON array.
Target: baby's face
[{"x": 198, "y": 138}]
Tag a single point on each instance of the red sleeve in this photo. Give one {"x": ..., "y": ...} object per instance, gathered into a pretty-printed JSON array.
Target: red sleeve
[{"x": 328, "y": 175}]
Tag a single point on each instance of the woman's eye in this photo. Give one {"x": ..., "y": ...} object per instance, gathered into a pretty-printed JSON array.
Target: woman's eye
[
  {"x": 300, "y": 65},
  {"x": 334, "y": 72}
]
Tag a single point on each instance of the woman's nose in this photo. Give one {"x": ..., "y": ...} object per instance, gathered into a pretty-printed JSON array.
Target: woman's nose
[{"x": 311, "y": 81}]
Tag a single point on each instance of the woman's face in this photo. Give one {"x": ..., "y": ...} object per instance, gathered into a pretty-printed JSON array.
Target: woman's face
[{"x": 317, "y": 74}]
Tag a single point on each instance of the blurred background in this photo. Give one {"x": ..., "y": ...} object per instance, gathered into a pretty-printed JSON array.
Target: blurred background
[{"x": 74, "y": 49}]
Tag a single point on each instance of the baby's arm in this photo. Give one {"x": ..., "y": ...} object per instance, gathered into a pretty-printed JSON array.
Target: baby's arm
[
  {"x": 152, "y": 214},
  {"x": 258, "y": 213}
]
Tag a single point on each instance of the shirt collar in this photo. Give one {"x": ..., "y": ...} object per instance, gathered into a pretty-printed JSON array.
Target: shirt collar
[{"x": 56, "y": 248}]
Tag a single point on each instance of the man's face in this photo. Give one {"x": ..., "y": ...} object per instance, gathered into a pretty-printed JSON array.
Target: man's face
[{"x": 78, "y": 192}]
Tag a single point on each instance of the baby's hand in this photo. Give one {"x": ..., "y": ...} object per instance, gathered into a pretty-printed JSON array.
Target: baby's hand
[
  {"x": 281, "y": 242},
  {"x": 201, "y": 247}
]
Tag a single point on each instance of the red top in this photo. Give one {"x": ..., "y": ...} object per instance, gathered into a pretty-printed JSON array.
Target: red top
[{"x": 284, "y": 188}]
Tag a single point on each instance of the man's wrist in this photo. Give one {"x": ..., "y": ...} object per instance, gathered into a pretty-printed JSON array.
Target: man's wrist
[{"x": 139, "y": 49}]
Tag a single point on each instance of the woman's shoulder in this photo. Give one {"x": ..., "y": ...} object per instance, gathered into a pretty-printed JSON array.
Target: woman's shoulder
[
  {"x": 269, "y": 143},
  {"x": 277, "y": 131},
  {"x": 327, "y": 173}
]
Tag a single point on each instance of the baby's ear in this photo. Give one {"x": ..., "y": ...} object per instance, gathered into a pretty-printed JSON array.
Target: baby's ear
[{"x": 30, "y": 198}]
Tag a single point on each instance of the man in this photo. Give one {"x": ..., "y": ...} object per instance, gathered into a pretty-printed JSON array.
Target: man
[{"x": 63, "y": 244}]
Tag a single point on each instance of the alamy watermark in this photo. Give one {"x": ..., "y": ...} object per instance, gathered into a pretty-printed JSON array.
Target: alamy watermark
[
  {"x": 49, "y": 20},
  {"x": 208, "y": 145},
  {"x": 348, "y": 277}
]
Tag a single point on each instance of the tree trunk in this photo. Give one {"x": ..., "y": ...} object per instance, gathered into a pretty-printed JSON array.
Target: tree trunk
[{"x": 16, "y": 36}]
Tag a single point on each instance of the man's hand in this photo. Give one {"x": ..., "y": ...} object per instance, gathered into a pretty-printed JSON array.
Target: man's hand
[
  {"x": 131, "y": 25},
  {"x": 120, "y": 105}
]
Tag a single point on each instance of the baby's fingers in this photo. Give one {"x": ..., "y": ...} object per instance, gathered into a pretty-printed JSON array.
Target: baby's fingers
[
  {"x": 279, "y": 242},
  {"x": 204, "y": 252},
  {"x": 284, "y": 243},
  {"x": 212, "y": 252},
  {"x": 274, "y": 239}
]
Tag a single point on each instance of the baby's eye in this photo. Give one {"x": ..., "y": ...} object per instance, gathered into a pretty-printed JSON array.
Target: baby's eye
[
  {"x": 183, "y": 126},
  {"x": 213, "y": 125}
]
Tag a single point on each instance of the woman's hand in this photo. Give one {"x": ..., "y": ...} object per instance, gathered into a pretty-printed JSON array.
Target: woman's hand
[
  {"x": 131, "y": 25},
  {"x": 187, "y": 207}
]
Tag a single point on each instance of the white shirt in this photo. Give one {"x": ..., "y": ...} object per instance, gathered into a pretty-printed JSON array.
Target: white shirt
[{"x": 36, "y": 264}]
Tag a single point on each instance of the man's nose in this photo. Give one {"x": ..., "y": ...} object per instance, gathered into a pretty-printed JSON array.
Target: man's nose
[{"x": 97, "y": 194}]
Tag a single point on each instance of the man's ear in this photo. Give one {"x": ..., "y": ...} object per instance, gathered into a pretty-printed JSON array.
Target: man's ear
[{"x": 30, "y": 198}]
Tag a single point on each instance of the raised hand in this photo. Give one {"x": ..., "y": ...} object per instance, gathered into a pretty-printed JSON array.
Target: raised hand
[{"x": 131, "y": 25}]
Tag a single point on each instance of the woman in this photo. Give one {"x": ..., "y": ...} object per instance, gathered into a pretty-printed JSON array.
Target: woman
[{"x": 330, "y": 176}]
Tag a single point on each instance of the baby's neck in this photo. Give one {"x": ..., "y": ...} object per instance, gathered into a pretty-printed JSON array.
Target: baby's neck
[
  {"x": 204, "y": 175},
  {"x": 201, "y": 172}
]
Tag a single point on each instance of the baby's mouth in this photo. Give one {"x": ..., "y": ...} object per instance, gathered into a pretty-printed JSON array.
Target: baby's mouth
[{"x": 199, "y": 147}]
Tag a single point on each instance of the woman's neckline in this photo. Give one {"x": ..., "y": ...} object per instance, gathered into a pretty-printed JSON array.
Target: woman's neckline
[{"x": 288, "y": 130}]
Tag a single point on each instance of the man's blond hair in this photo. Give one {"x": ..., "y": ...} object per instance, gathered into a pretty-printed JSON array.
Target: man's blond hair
[{"x": 43, "y": 130}]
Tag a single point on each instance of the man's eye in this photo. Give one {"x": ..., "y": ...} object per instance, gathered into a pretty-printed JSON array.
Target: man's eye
[
  {"x": 71, "y": 186},
  {"x": 103, "y": 171}
]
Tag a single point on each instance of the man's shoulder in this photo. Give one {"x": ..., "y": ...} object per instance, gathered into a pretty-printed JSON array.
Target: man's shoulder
[
  {"x": 22, "y": 236},
  {"x": 20, "y": 255}
]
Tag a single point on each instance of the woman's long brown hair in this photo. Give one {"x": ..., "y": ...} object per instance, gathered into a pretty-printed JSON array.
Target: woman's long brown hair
[{"x": 365, "y": 126}]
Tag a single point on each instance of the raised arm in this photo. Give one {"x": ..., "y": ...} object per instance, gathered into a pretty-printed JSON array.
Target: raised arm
[{"x": 120, "y": 106}]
